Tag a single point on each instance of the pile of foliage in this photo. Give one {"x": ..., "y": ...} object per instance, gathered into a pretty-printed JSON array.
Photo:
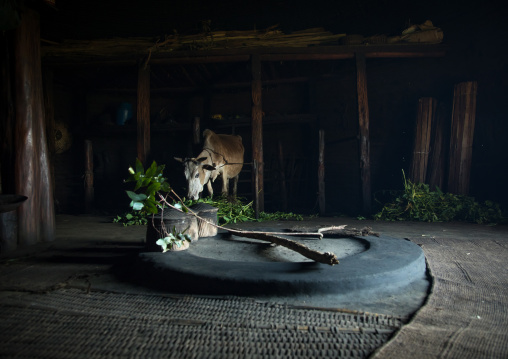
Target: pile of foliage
[
  {"x": 149, "y": 184},
  {"x": 418, "y": 203},
  {"x": 237, "y": 211}
]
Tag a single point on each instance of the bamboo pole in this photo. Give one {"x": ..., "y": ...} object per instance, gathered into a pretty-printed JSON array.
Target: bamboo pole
[{"x": 438, "y": 150}]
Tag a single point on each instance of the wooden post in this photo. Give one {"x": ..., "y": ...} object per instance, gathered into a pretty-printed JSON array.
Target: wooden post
[
  {"x": 282, "y": 176},
  {"x": 89, "y": 190},
  {"x": 363, "y": 122},
  {"x": 321, "y": 173},
  {"x": 196, "y": 130},
  {"x": 461, "y": 140},
  {"x": 257, "y": 136},
  {"x": 49, "y": 108},
  {"x": 143, "y": 113},
  {"x": 421, "y": 145},
  {"x": 438, "y": 151},
  {"x": 36, "y": 217}
]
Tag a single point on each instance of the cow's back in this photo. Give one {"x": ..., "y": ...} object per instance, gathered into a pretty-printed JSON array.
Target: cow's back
[{"x": 225, "y": 147}]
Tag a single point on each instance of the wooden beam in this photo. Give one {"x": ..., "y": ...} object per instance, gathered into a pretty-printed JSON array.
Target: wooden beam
[
  {"x": 257, "y": 136},
  {"x": 89, "y": 190},
  {"x": 363, "y": 122},
  {"x": 461, "y": 141},
  {"x": 36, "y": 217},
  {"x": 143, "y": 113}
]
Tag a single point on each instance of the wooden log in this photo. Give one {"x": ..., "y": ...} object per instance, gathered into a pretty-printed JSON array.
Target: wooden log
[
  {"x": 321, "y": 173},
  {"x": 421, "y": 145},
  {"x": 461, "y": 139},
  {"x": 143, "y": 113},
  {"x": 36, "y": 220},
  {"x": 89, "y": 189},
  {"x": 438, "y": 150},
  {"x": 7, "y": 117},
  {"x": 282, "y": 177},
  {"x": 257, "y": 136},
  {"x": 49, "y": 111},
  {"x": 363, "y": 121}
]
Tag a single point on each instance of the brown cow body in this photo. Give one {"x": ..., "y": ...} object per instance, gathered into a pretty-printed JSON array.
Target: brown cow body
[{"x": 222, "y": 155}]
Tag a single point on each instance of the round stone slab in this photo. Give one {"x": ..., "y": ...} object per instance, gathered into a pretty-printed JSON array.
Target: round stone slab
[{"x": 384, "y": 263}]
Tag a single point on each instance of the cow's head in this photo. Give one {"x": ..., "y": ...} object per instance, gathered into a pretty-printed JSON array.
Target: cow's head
[{"x": 197, "y": 173}]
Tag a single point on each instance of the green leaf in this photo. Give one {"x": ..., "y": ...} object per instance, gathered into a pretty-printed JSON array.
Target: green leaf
[
  {"x": 139, "y": 166},
  {"x": 138, "y": 197}
]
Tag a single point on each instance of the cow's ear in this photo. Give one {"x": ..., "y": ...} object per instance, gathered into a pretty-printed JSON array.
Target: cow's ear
[
  {"x": 178, "y": 159},
  {"x": 201, "y": 159},
  {"x": 209, "y": 168}
]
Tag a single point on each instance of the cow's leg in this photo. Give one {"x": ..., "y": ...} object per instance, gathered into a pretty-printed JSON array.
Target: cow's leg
[
  {"x": 225, "y": 185},
  {"x": 235, "y": 185},
  {"x": 210, "y": 188}
]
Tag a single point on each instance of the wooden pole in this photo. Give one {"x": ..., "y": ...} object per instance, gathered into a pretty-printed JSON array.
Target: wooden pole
[
  {"x": 438, "y": 151},
  {"x": 282, "y": 176},
  {"x": 196, "y": 130},
  {"x": 461, "y": 140},
  {"x": 36, "y": 219},
  {"x": 143, "y": 113},
  {"x": 363, "y": 122},
  {"x": 89, "y": 190},
  {"x": 321, "y": 173},
  {"x": 421, "y": 145},
  {"x": 49, "y": 108},
  {"x": 257, "y": 136}
]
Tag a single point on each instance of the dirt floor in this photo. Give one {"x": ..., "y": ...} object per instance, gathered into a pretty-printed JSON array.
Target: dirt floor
[{"x": 463, "y": 316}]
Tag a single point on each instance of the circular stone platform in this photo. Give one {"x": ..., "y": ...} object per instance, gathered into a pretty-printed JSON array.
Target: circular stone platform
[{"x": 233, "y": 265}]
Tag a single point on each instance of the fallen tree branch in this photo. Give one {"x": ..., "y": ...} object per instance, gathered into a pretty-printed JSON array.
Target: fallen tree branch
[
  {"x": 273, "y": 237},
  {"x": 341, "y": 231}
]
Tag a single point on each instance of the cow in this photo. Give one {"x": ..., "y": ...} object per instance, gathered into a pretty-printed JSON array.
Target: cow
[{"x": 222, "y": 155}]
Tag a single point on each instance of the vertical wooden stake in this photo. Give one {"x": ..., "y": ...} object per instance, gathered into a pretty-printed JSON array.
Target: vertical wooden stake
[
  {"x": 143, "y": 113},
  {"x": 321, "y": 173},
  {"x": 89, "y": 191},
  {"x": 257, "y": 136},
  {"x": 196, "y": 130},
  {"x": 421, "y": 146},
  {"x": 282, "y": 176},
  {"x": 363, "y": 122},
  {"x": 461, "y": 140},
  {"x": 36, "y": 217},
  {"x": 438, "y": 151}
]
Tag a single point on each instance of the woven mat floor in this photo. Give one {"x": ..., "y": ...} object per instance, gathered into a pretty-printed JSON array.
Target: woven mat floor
[
  {"x": 71, "y": 323},
  {"x": 466, "y": 315}
]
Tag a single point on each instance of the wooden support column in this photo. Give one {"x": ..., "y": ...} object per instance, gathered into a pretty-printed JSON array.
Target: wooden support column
[
  {"x": 363, "y": 124},
  {"x": 421, "y": 145},
  {"x": 36, "y": 217},
  {"x": 461, "y": 140},
  {"x": 89, "y": 190},
  {"x": 438, "y": 151},
  {"x": 321, "y": 173},
  {"x": 143, "y": 113},
  {"x": 257, "y": 136}
]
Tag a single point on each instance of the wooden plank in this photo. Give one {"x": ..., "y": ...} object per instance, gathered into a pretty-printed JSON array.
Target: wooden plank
[
  {"x": 438, "y": 150},
  {"x": 36, "y": 217},
  {"x": 257, "y": 137},
  {"x": 421, "y": 145},
  {"x": 461, "y": 139},
  {"x": 363, "y": 122},
  {"x": 143, "y": 113},
  {"x": 321, "y": 173}
]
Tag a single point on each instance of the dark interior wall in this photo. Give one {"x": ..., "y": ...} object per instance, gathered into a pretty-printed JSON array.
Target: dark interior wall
[{"x": 330, "y": 99}]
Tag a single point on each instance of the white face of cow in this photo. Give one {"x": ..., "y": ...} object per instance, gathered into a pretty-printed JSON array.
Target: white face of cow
[{"x": 197, "y": 176}]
